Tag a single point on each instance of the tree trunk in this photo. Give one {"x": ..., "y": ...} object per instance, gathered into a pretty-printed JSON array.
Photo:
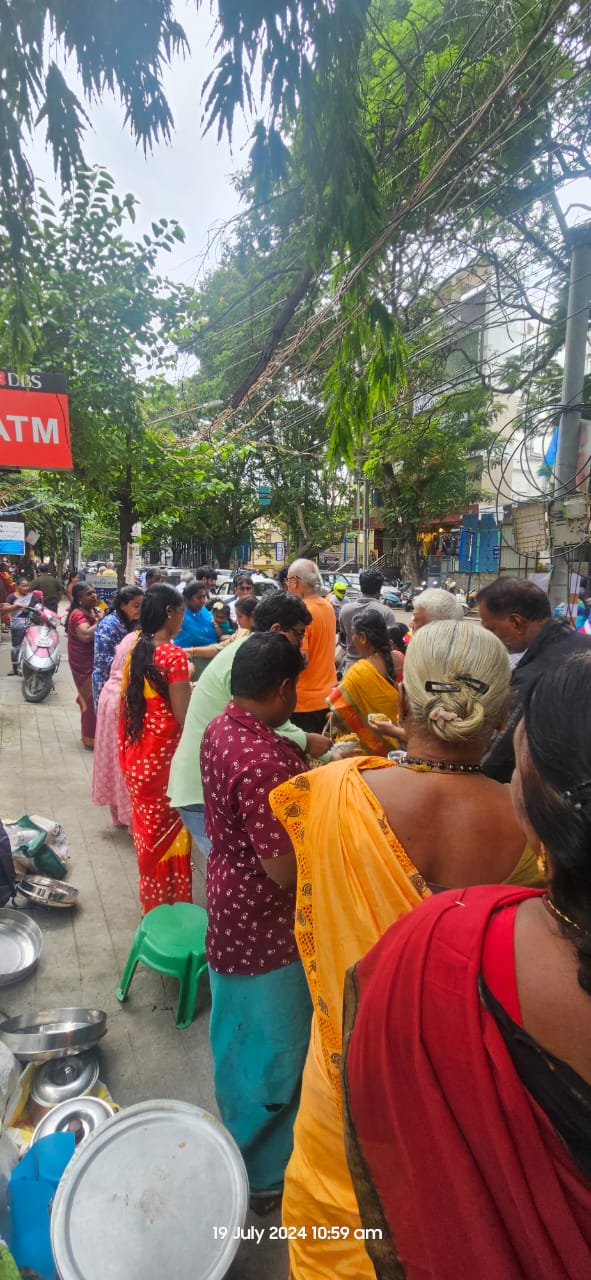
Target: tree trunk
[
  {"x": 409, "y": 560},
  {"x": 127, "y": 519}
]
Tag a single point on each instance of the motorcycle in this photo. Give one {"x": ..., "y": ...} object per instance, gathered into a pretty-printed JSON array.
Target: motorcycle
[{"x": 39, "y": 655}]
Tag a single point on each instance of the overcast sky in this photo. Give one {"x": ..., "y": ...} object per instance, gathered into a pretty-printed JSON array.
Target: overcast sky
[{"x": 188, "y": 179}]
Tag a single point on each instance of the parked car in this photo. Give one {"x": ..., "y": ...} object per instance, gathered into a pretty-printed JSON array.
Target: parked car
[{"x": 224, "y": 587}]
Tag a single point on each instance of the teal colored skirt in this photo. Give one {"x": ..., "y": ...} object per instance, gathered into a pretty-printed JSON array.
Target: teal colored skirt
[{"x": 259, "y": 1034}]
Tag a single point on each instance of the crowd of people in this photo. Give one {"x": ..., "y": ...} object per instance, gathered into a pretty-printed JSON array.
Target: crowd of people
[{"x": 398, "y": 942}]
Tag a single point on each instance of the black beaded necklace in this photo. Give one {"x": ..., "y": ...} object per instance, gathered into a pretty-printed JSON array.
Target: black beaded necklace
[{"x": 446, "y": 766}]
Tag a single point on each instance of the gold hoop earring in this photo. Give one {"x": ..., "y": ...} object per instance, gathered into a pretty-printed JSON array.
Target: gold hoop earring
[{"x": 542, "y": 861}]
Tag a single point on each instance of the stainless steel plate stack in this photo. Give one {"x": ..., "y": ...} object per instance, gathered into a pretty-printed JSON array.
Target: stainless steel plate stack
[{"x": 53, "y": 1033}]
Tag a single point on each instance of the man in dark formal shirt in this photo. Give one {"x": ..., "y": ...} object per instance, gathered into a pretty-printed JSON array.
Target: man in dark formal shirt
[{"x": 519, "y": 614}]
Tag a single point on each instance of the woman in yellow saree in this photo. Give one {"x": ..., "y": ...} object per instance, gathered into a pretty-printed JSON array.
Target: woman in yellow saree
[
  {"x": 368, "y": 687},
  {"x": 372, "y": 839}
]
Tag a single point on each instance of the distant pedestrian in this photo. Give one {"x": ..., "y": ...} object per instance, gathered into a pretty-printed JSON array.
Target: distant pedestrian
[
  {"x": 16, "y": 608},
  {"x": 337, "y": 598},
  {"x": 48, "y": 582},
  {"x": 371, "y": 582},
  {"x": 121, "y": 618},
  {"x": 81, "y": 622},
  {"x": 435, "y": 605}
]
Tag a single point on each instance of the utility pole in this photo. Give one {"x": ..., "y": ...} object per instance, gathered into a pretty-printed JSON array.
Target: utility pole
[
  {"x": 365, "y": 523},
  {"x": 575, "y": 352}
]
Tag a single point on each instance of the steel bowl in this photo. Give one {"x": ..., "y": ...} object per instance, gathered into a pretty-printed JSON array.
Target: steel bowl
[
  {"x": 63, "y": 1078},
  {"x": 42, "y": 891},
  {"x": 21, "y": 942},
  {"x": 53, "y": 1033},
  {"x": 79, "y": 1116}
]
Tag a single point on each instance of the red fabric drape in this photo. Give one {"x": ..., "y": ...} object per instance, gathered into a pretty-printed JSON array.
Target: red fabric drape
[{"x": 447, "y": 1147}]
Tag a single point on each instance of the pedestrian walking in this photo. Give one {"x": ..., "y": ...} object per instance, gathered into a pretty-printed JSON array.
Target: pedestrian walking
[{"x": 16, "y": 609}]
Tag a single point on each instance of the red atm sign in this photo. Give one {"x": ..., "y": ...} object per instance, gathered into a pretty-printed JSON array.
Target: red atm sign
[{"x": 34, "y": 425}]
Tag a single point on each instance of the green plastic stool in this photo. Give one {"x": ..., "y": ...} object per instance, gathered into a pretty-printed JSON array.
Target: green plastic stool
[{"x": 171, "y": 940}]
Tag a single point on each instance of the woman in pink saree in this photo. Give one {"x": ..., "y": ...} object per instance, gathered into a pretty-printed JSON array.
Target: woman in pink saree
[{"x": 108, "y": 783}]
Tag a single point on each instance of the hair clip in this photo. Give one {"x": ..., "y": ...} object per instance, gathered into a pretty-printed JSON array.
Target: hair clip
[
  {"x": 441, "y": 686},
  {"x": 582, "y": 787},
  {"x": 479, "y": 686}
]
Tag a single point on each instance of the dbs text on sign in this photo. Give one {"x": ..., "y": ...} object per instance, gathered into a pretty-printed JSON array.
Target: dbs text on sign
[{"x": 34, "y": 426}]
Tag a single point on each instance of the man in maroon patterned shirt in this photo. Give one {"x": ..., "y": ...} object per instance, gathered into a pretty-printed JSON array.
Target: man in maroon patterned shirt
[{"x": 261, "y": 1011}]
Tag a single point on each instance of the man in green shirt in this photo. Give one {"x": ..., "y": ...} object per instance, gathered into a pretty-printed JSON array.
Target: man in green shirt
[{"x": 277, "y": 611}]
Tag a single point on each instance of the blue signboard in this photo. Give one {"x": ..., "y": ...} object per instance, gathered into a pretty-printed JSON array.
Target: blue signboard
[{"x": 12, "y": 538}]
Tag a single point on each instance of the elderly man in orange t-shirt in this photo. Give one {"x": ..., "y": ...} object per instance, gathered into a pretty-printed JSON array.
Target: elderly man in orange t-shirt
[{"x": 320, "y": 675}]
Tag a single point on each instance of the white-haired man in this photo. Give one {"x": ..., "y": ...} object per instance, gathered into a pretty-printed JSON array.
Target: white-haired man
[
  {"x": 320, "y": 675},
  {"x": 435, "y": 605}
]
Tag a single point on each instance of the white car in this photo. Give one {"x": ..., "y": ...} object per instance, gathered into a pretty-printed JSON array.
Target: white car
[{"x": 224, "y": 587}]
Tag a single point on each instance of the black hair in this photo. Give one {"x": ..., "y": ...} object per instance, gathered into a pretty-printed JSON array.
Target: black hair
[
  {"x": 153, "y": 614},
  {"x": 262, "y": 663},
  {"x": 246, "y": 606},
  {"x": 21, "y": 577},
  {"x": 557, "y": 791},
  {"x": 515, "y": 595},
  {"x": 283, "y": 609},
  {"x": 239, "y": 578},
  {"x": 78, "y": 590},
  {"x": 193, "y": 588},
  {"x": 396, "y": 634},
  {"x": 371, "y": 582},
  {"x": 283, "y": 575},
  {"x": 124, "y": 596},
  {"x": 205, "y": 571},
  {"x": 150, "y": 573},
  {"x": 373, "y": 626}
]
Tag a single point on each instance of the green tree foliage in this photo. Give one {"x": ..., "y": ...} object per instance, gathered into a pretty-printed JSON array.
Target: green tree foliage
[
  {"x": 117, "y": 48},
  {"x": 471, "y": 115},
  {"x": 103, "y": 316}
]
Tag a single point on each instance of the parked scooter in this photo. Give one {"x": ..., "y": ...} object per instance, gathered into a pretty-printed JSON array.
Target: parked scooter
[{"x": 39, "y": 655}]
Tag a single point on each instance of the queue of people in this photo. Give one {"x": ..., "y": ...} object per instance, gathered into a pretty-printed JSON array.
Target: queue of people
[{"x": 398, "y": 943}]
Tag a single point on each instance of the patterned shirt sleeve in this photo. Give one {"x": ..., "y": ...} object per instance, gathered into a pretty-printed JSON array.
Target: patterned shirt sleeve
[{"x": 267, "y": 836}]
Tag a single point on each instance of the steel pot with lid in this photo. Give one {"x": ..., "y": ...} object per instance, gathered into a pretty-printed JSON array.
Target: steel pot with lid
[
  {"x": 80, "y": 1116},
  {"x": 63, "y": 1078}
]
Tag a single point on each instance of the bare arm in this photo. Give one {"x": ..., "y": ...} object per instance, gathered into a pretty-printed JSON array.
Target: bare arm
[
  {"x": 283, "y": 869},
  {"x": 203, "y": 651},
  {"x": 180, "y": 694}
]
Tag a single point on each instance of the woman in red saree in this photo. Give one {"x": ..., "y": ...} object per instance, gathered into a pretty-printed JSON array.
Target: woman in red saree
[
  {"x": 81, "y": 622},
  {"x": 155, "y": 695},
  {"x": 467, "y": 1075}
]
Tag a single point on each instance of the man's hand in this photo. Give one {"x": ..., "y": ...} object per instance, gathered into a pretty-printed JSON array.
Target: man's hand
[{"x": 317, "y": 744}]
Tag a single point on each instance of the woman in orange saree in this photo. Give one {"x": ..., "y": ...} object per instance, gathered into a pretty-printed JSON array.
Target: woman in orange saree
[
  {"x": 155, "y": 696},
  {"x": 372, "y": 840}
]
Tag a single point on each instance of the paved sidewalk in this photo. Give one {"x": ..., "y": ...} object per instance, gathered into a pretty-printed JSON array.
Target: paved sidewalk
[{"x": 44, "y": 769}]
